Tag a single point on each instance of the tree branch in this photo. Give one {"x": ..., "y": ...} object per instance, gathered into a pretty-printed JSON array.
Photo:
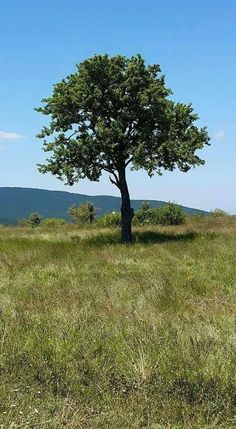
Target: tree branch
[
  {"x": 114, "y": 182},
  {"x": 75, "y": 132},
  {"x": 129, "y": 161}
]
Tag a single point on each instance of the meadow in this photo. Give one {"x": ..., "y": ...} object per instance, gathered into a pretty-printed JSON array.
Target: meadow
[{"x": 96, "y": 334}]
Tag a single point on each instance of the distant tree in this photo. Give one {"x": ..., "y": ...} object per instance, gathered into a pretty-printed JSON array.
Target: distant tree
[
  {"x": 85, "y": 213},
  {"x": 171, "y": 214},
  {"x": 145, "y": 206},
  {"x": 74, "y": 213},
  {"x": 142, "y": 214},
  {"x": 110, "y": 219},
  {"x": 91, "y": 212},
  {"x": 113, "y": 113},
  {"x": 218, "y": 213},
  {"x": 35, "y": 219}
]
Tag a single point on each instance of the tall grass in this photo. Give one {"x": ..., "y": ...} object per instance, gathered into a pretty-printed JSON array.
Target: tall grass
[{"x": 100, "y": 335}]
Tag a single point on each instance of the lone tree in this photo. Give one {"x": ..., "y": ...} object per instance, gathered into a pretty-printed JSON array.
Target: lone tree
[
  {"x": 35, "y": 219},
  {"x": 114, "y": 113},
  {"x": 85, "y": 213}
]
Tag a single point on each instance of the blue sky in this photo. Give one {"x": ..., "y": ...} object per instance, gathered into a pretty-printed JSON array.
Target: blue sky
[{"x": 193, "y": 41}]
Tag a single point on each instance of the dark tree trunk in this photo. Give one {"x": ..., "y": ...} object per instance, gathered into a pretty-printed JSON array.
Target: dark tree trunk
[{"x": 127, "y": 212}]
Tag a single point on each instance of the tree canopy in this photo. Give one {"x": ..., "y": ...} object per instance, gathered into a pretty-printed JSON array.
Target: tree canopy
[
  {"x": 85, "y": 213},
  {"x": 115, "y": 112}
]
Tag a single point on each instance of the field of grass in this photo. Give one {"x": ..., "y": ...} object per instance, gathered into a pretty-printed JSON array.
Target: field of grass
[{"x": 96, "y": 334}]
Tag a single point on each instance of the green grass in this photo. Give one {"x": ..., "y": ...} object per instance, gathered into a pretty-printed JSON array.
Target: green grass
[{"x": 100, "y": 335}]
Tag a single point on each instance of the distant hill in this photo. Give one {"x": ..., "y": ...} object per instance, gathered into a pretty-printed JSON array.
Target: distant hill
[{"x": 19, "y": 203}]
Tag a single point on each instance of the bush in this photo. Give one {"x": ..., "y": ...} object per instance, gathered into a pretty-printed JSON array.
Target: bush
[
  {"x": 170, "y": 214},
  {"x": 53, "y": 222},
  {"x": 35, "y": 219},
  {"x": 142, "y": 215},
  {"x": 110, "y": 220},
  {"x": 83, "y": 214},
  {"x": 218, "y": 213},
  {"x": 149, "y": 217}
]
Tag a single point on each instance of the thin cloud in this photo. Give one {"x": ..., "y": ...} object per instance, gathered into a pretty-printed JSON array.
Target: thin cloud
[
  {"x": 4, "y": 135},
  {"x": 220, "y": 135}
]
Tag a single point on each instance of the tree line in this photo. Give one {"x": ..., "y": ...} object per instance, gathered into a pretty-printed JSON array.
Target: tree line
[{"x": 86, "y": 214}]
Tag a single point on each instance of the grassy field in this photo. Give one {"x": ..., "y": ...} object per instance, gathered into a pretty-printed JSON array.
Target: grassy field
[{"x": 100, "y": 335}]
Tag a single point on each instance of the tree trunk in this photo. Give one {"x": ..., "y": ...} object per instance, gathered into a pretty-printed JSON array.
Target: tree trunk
[{"x": 127, "y": 212}]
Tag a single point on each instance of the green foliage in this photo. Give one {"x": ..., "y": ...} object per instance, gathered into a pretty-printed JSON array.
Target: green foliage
[
  {"x": 169, "y": 214},
  {"x": 148, "y": 217},
  {"x": 143, "y": 214},
  {"x": 145, "y": 206},
  {"x": 85, "y": 213},
  {"x": 113, "y": 111},
  {"x": 110, "y": 220},
  {"x": 35, "y": 219},
  {"x": 218, "y": 213},
  {"x": 53, "y": 222}
]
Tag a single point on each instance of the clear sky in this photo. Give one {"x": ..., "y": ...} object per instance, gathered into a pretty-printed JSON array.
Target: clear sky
[{"x": 193, "y": 41}]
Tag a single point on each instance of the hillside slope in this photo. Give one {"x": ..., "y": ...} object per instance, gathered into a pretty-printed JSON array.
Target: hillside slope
[{"x": 17, "y": 203}]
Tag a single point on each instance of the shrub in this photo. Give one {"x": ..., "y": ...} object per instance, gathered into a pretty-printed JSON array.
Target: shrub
[
  {"x": 53, "y": 222},
  {"x": 110, "y": 220},
  {"x": 218, "y": 213},
  {"x": 142, "y": 215},
  {"x": 35, "y": 219},
  {"x": 85, "y": 213},
  {"x": 171, "y": 214},
  {"x": 149, "y": 217}
]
